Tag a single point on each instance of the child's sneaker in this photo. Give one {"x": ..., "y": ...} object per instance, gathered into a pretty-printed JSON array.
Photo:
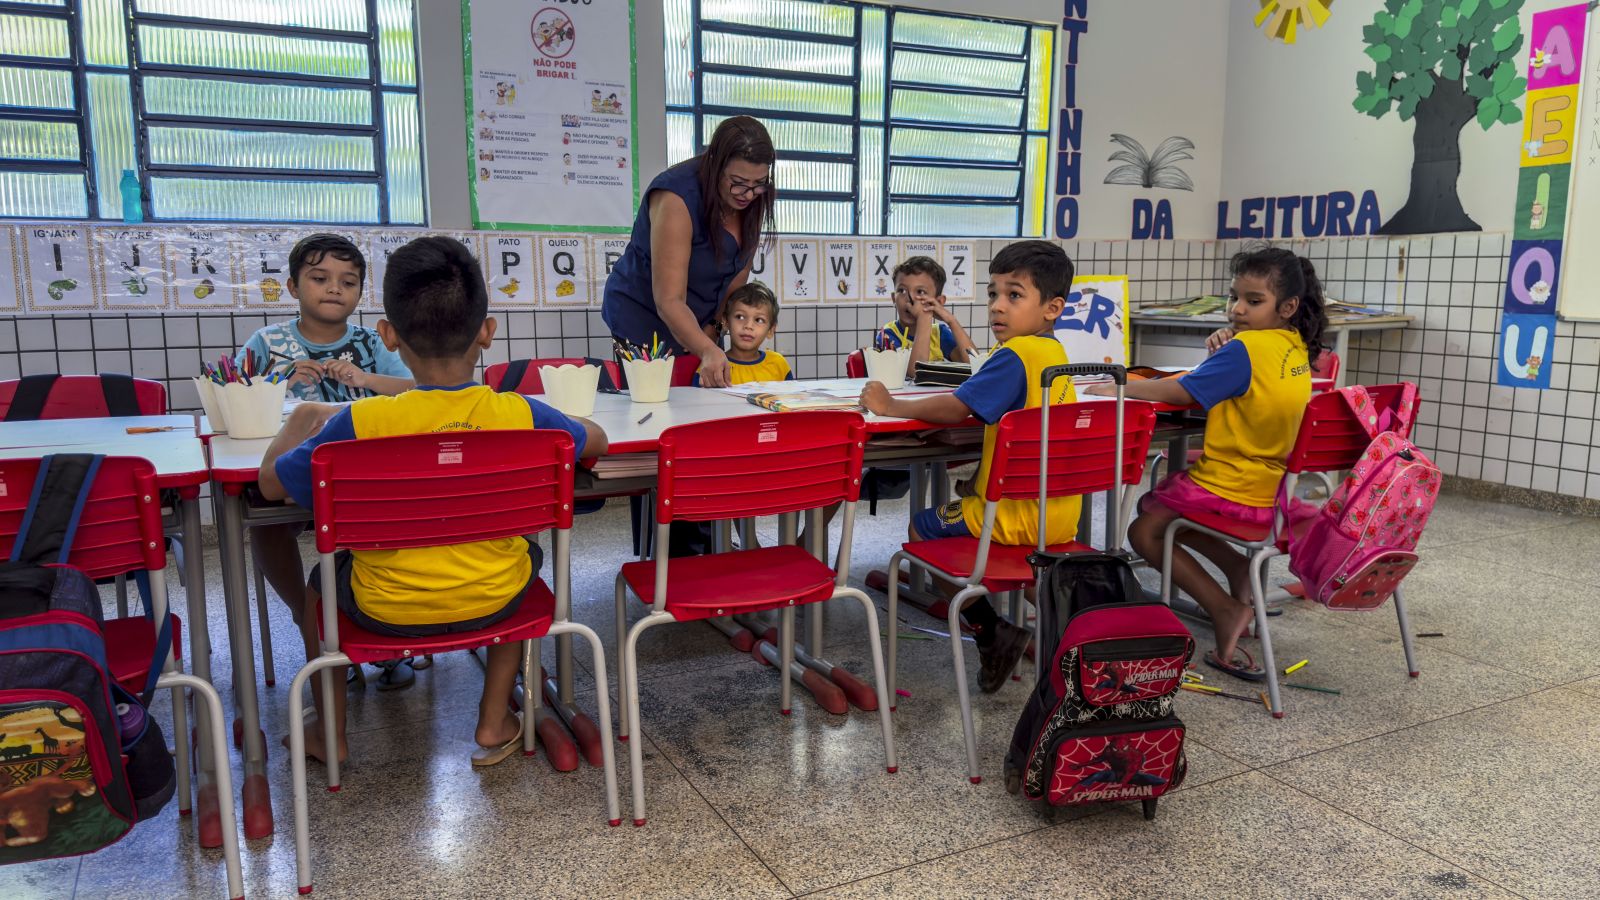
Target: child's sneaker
[{"x": 999, "y": 658}]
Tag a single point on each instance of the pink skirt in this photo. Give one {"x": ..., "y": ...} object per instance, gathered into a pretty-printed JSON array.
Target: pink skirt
[{"x": 1179, "y": 493}]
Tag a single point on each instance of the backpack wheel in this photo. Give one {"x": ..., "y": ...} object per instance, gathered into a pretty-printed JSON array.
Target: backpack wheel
[{"x": 1149, "y": 809}]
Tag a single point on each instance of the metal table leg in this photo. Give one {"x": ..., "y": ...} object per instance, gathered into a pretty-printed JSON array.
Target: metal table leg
[
  {"x": 241, "y": 645},
  {"x": 194, "y": 584}
]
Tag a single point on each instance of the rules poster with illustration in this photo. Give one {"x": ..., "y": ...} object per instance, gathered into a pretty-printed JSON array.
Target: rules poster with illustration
[{"x": 551, "y": 117}]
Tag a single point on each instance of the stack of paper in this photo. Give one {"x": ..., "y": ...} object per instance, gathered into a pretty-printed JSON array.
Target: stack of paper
[{"x": 625, "y": 465}]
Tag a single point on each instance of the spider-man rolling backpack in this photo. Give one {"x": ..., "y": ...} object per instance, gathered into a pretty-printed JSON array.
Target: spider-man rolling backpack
[{"x": 1099, "y": 726}]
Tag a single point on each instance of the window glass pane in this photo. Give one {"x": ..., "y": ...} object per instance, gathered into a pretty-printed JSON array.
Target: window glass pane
[
  {"x": 202, "y": 48},
  {"x": 750, "y": 92},
  {"x": 35, "y": 88},
  {"x": 273, "y": 201},
  {"x": 933, "y": 181},
  {"x": 243, "y": 149},
  {"x": 38, "y": 140},
  {"x": 952, "y": 219},
  {"x": 805, "y": 175},
  {"x": 42, "y": 195},
  {"x": 1039, "y": 73},
  {"x": 220, "y": 99},
  {"x": 719, "y": 48},
  {"x": 959, "y": 33},
  {"x": 964, "y": 109},
  {"x": 329, "y": 15},
  {"x": 397, "y": 46},
  {"x": 870, "y": 198},
  {"x": 813, "y": 216},
  {"x": 790, "y": 136},
  {"x": 680, "y": 137},
  {"x": 678, "y": 42},
  {"x": 105, "y": 32},
  {"x": 1034, "y": 200},
  {"x": 35, "y": 36},
  {"x": 40, "y": 2},
  {"x": 957, "y": 71},
  {"x": 111, "y": 129},
  {"x": 837, "y": 20},
  {"x": 977, "y": 146},
  {"x": 873, "y": 52},
  {"x": 403, "y": 158}
]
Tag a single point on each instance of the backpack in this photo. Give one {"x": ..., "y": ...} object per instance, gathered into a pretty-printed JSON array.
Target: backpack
[
  {"x": 1357, "y": 548},
  {"x": 1099, "y": 727},
  {"x": 74, "y": 777}
]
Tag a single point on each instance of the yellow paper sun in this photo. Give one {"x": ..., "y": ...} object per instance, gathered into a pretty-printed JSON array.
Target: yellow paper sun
[{"x": 1283, "y": 17}]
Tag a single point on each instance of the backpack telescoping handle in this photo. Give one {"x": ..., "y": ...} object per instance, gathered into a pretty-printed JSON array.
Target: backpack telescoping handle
[{"x": 1118, "y": 374}]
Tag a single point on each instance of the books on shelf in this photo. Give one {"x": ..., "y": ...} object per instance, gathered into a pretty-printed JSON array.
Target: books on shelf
[{"x": 1199, "y": 306}]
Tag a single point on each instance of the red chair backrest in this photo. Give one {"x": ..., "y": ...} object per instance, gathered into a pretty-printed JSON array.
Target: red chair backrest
[
  {"x": 855, "y": 365},
  {"x": 429, "y": 490},
  {"x": 119, "y": 530},
  {"x": 82, "y": 397},
  {"x": 1326, "y": 366},
  {"x": 684, "y": 368},
  {"x": 759, "y": 465},
  {"x": 530, "y": 383},
  {"x": 1083, "y": 446},
  {"x": 1330, "y": 439}
]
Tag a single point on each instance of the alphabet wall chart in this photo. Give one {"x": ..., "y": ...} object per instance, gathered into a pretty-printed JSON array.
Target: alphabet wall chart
[
  {"x": 77, "y": 267},
  {"x": 1549, "y": 133}
]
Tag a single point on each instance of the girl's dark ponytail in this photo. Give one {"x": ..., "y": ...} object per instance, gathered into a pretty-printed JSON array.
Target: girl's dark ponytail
[
  {"x": 1290, "y": 276},
  {"x": 1311, "y": 319}
]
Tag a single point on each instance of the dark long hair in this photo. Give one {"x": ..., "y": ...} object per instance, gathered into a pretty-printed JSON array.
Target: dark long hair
[
  {"x": 1290, "y": 276},
  {"x": 739, "y": 137}
]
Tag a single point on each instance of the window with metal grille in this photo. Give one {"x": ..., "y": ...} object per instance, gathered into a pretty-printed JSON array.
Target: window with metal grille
[
  {"x": 267, "y": 111},
  {"x": 886, "y": 120}
]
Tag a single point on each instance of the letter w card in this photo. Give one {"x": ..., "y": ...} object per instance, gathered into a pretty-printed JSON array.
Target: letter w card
[{"x": 1094, "y": 326}]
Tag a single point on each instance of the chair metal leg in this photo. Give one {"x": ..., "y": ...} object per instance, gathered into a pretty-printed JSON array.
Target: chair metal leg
[
  {"x": 630, "y": 666},
  {"x": 121, "y": 583},
  {"x": 893, "y": 627},
  {"x": 330, "y": 727},
  {"x": 180, "y": 744},
  {"x": 1258, "y": 598},
  {"x": 323, "y": 665},
  {"x": 1015, "y": 613},
  {"x": 267, "y": 669},
  {"x": 1405, "y": 634},
  {"x": 622, "y": 658},
  {"x": 216, "y": 733},
  {"x": 968, "y": 730},
  {"x": 1168, "y": 538},
  {"x": 786, "y": 656},
  {"x": 603, "y": 704},
  {"x": 885, "y": 720},
  {"x": 530, "y": 686}
]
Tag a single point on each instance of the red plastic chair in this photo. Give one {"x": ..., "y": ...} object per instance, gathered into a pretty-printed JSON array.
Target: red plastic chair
[
  {"x": 1082, "y": 450},
  {"x": 83, "y": 397},
  {"x": 1329, "y": 440},
  {"x": 120, "y": 532},
  {"x": 530, "y": 383},
  {"x": 779, "y": 464},
  {"x": 855, "y": 365},
  {"x": 1326, "y": 367},
  {"x": 427, "y": 490}
]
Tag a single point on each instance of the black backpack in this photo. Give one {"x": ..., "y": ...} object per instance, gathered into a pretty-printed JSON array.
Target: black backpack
[{"x": 74, "y": 775}]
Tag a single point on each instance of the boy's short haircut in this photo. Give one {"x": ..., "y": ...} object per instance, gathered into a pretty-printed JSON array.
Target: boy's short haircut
[
  {"x": 435, "y": 297},
  {"x": 922, "y": 265},
  {"x": 1048, "y": 265},
  {"x": 755, "y": 295},
  {"x": 314, "y": 248}
]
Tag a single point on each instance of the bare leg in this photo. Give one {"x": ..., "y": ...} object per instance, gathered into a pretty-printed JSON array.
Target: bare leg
[
  {"x": 277, "y": 553},
  {"x": 496, "y": 724},
  {"x": 306, "y": 618},
  {"x": 1228, "y": 614}
]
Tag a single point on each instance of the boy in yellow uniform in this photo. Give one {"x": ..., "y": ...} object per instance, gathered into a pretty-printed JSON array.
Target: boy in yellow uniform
[
  {"x": 750, "y": 316},
  {"x": 922, "y": 320},
  {"x": 1028, "y": 284},
  {"x": 436, "y": 308}
]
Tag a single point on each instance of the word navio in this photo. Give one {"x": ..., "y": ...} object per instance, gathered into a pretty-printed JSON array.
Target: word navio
[
  {"x": 1323, "y": 215},
  {"x": 1069, "y": 137}
]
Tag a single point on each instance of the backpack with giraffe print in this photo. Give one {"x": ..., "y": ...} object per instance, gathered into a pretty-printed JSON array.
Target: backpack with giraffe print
[{"x": 64, "y": 785}]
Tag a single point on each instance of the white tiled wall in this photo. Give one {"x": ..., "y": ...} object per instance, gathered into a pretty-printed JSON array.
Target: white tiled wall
[{"x": 1451, "y": 283}]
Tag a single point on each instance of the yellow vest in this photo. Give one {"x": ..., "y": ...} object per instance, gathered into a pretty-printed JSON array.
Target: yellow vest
[{"x": 1248, "y": 437}]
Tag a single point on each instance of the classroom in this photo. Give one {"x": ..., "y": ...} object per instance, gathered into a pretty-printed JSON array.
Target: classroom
[{"x": 779, "y": 448}]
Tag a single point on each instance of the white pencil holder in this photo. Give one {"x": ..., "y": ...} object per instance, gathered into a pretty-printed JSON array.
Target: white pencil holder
[
  {"x": 254, "y": 410},
  {"x": 649, "y": 381},
  {"x": 888, "y": 366},
  {"x": 976, "y": 359},
  {"x": 212, "y": 404},
  {"x": 570, "y": 388}
]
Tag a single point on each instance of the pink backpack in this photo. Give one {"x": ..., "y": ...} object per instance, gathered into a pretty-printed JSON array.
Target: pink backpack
[{"x": 1357, "y": 548}]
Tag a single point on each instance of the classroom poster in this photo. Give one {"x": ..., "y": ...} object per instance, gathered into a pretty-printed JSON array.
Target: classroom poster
[
  {"x": 880, "y": 260},
  {"x": 764, "y": 265},
  {"x": 841, "y": 263},
  {"x": 1549, "y": 134},
  {"x": 956, "y": 257},
  {"x": 10, "y": 270},
  {"x": 131, "y": 265},
  {"x": 1094, "y": 325},
  {"x": 604, "y": 254},
  {"x": 260, "y": 261},
  {"x": 564, "y": 270},
  {"x": 511, "y": 265},
  {"x": 801, "y": 267},
  {"x": 552, "y": 135},
  {"x": 199, "y": 271},
  {"x": 55, "y": 267}
]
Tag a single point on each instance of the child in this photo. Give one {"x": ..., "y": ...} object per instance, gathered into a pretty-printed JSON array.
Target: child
[
  {"x": 1255, "y": 387},
  {"x": 750, "y": 315},
  {"x": 1028, "y": 284},
  {"x": 921, "y": 318},
  {"x": 436, "y": 308},
  {"x": 332, "y": 360}
]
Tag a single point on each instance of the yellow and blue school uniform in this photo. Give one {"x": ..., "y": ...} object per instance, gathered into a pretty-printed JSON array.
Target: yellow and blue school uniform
[
  {"x": 1010, "y": 380},
  {"x": 769, "y": 366},
  {"x": 1255, "y": 390},
  {"x": 429, "y": 585},
  {"x": 941, "y": 343}
]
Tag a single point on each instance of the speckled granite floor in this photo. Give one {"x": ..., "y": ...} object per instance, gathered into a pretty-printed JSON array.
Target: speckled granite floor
[{"x": 1481, "y": 778}]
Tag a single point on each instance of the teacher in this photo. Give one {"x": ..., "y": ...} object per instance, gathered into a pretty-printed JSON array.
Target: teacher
[{"x": 693, "y": 242}]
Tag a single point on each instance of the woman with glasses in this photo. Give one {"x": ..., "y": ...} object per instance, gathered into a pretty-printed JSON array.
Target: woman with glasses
[{"x": 693, "y": 240}]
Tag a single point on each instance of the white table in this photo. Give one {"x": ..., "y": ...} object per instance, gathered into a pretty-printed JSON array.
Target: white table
[
  {"x": 60, "y": 432},
  {"x": 1340, "y": 327}
]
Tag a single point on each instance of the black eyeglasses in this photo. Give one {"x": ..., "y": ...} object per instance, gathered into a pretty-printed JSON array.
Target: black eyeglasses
[{"x": 742, "y": 188}]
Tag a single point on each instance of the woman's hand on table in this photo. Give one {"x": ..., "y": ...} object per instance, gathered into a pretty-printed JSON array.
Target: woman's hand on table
[
  {"x": 875, "y": 398},
  {"x": 715, "y": 372}
]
